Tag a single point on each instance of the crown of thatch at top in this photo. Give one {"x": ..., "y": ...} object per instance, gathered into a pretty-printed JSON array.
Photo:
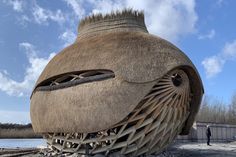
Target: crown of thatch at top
[{"x": 126, "y": 20}]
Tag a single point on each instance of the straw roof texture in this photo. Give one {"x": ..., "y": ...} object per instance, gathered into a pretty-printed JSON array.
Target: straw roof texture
[
  {"x": 123, "y": 46},
  {"x": 149, "y": 128}
]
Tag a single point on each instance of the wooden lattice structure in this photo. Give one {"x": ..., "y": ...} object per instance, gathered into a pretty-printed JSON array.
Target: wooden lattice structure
[
  {"x": 152, "y": 125},
  {"x": 116, "y": 89}
]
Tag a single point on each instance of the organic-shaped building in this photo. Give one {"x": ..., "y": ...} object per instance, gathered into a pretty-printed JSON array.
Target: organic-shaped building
[{"x": 117, "y": 88}]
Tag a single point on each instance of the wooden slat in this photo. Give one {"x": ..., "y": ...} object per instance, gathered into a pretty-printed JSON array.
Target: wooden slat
[{"x": 150, "y": 127}]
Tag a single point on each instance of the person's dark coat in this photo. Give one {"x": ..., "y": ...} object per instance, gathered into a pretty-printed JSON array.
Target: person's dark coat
[{"x": 208, "y": 132}]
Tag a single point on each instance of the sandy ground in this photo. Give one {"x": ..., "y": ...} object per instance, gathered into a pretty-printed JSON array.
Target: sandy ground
[{"x": 176, "y": 150}]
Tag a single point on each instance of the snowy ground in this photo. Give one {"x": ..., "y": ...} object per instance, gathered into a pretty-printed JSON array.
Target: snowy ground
[
  {"x": 202, "y": 150},
  {"x": 178, "y": 150}
]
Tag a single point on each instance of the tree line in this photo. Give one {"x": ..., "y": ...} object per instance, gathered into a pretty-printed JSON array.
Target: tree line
[
  {"x": 15, "y": 126},
  {"x": 216, "y": 111},
  {"x": 8, "y": 130}
]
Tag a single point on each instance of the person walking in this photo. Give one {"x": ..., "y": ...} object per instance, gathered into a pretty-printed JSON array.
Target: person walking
[{"x": 208, "y": 134}]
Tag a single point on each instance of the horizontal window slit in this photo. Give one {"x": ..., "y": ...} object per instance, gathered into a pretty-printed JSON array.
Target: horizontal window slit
[{"x": 74, "y": 78}]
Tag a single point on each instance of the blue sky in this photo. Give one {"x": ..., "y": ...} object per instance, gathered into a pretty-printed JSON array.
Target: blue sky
[{"x": 32, "y": 32}]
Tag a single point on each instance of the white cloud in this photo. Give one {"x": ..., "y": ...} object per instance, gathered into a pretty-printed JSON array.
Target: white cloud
[
  {"x": 37, "y": 13},
  {"x": 77, "y": 7},
  {"x": 68, "y": 37},
  {"x": 209, "y": 35},
  {"x": 168, "y": 19},
  {"x": 106, "y": 6},
  {"x": 214, "y": 64},
  {"x": 23, "y": 20},
  {"x": 18, "y": 117},
  {"x": 36, "y": 65},
  {"x": 42, "y": 16},
  {"x": 5, "y": 72},
  {"x": 229, "y": 50},
  {"x": 17, "y": 5}
]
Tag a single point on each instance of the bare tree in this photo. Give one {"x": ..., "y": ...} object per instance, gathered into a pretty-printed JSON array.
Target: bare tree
[
  {"x": 232, "y": 109},
  {"x": 214, "y": 110}
]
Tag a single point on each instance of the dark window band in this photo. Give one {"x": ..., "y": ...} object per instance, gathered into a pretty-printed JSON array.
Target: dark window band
[{"x": 76, "y": 78}]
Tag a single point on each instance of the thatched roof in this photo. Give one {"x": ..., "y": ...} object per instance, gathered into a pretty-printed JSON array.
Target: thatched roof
[
  {"x": 118, "y": 44},
  {"x": 127, "y": 20},
  {"x": 124, "y": 14}
]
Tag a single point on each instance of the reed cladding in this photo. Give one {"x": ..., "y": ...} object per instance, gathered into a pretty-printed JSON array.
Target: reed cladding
[{"x": 106, "y": 75}]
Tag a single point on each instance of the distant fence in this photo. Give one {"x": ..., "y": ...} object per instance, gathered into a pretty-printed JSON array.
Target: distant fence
[{"x": 220, "y": 132}]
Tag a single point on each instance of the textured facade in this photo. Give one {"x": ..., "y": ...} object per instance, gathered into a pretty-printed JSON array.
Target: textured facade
[{"x": 116, "y": 88}]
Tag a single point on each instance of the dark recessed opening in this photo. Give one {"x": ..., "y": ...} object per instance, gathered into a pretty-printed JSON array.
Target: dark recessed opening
[
  {"x": 74, "y": 78},
  {"x": 176, "y": 79}
]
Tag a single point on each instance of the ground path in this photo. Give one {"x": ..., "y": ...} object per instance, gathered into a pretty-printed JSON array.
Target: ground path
[{"x": 176, "y": 150}]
